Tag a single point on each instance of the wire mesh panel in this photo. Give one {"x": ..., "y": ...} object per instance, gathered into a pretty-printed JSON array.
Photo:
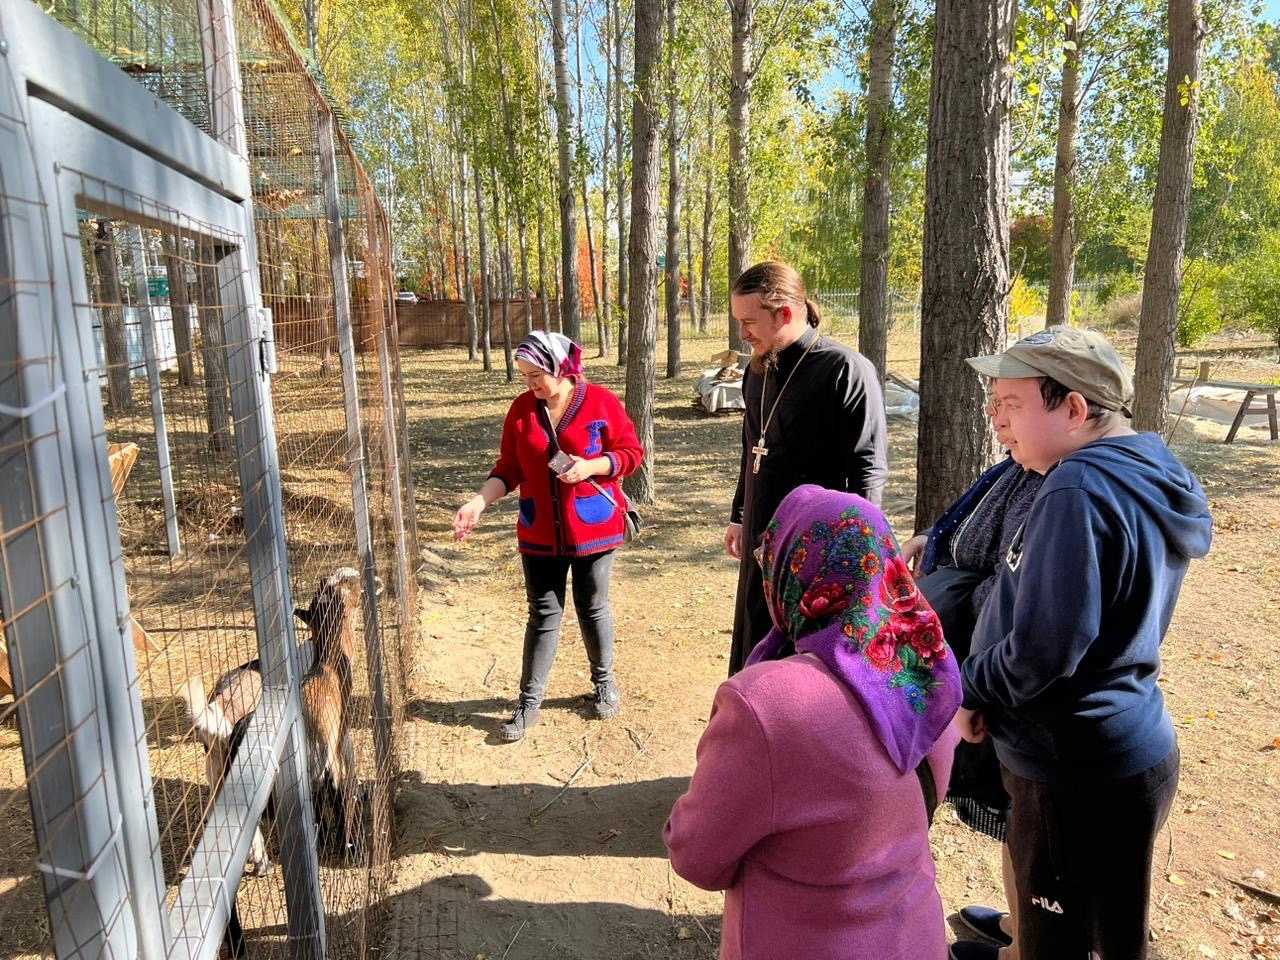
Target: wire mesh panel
[
  {"x": 325, "y": 466},
  {"x": 60, "y": 811},
  {"x": 169, "y": 433},
  {"x": 178, "y": 453}
]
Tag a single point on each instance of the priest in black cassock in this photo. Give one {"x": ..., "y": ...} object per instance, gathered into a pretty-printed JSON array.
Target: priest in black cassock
[{"x": 815, "y": 414}]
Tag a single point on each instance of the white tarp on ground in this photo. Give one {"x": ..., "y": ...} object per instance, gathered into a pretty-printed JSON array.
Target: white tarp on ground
[{"x": 717, "y": 390}]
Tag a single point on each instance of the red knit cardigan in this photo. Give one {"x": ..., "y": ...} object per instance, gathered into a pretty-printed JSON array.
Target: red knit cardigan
[{"x": 557, "y": 519}]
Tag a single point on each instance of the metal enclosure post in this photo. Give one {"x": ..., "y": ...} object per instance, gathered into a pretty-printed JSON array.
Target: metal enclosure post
[
  {"x": 48, "y": 608},
  {"x": 381, "y": 714},
  {"x": 256, "y": 454},
  {"x": 147, "y": 321},
  {"x": 75, "y": 809},
  {"x": 258, "y": 458},
  {"x": 390, "y": 420}
]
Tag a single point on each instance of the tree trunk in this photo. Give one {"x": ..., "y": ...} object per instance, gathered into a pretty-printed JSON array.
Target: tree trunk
[
  {"x": 643, "y": 299},
  {"x": 1062, "y": 244},
  {"x": 673, "y": 202},
  {"x": 523, "y": 237},
  {"x": 180, "y": 310},
  {"x": 1158, "y": 320},
  {"x": 619, "y": 173},
  {"x": 873, "y": 293},
  {"x": 111, "y": 309},
  {"x": 742, "y": 15},
  {"x": 688, "y": 226},
  {"x": 469, "y": 290},
  {"x": 542, "y": 271},
  {"x": 504, "y": 267},
  {"x": 966, "y": 245},
  {"x": 606, "y": 176},
  {"x": 453, "y": 240},
  {"x": 708, "y": 216},
  {"x": 601, "y": 334},
  {"x": 486, "y": 291},
  {"x": 602, "y": 337},
  {"x": 570, "y": 311}
]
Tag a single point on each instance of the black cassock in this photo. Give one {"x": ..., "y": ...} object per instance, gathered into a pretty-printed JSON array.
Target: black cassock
[{"x": 829, "y": 429}]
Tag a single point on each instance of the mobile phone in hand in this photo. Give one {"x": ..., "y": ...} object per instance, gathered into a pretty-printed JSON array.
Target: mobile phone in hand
[{"x": 561, "y": 462}]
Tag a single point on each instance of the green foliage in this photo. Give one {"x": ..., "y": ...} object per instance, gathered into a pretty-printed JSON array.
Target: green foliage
[
  {"x": 1251, "y": 293},
  {"x": 1029, "y": 246},
  {"x": 1118, "y": 284},
  {"x": 1025, "y": 303},
  {"x": 1199, "y": 313}
]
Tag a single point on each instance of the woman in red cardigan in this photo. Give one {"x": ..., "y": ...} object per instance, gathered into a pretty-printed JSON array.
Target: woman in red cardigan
[{"x": 570, "y": 521}]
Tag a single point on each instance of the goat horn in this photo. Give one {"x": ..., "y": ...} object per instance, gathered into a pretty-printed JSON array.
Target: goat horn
[{"x": 344, "y": 573}]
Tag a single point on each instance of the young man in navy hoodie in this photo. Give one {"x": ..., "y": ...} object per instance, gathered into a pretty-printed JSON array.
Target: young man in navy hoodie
[{"x": 1066, "y": 653}]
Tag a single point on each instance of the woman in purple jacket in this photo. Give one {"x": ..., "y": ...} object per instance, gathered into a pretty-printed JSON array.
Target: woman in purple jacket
[{"x": 818, "y": 774}]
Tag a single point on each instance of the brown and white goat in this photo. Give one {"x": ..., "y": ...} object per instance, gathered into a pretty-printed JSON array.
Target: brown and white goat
[{"x": 221, "y": 720}]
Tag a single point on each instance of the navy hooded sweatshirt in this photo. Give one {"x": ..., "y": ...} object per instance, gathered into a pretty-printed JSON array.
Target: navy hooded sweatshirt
[{"x": 1066, "y": 652}]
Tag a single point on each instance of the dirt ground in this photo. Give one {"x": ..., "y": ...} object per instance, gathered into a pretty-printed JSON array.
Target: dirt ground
[{"x": 551, "y": 848}]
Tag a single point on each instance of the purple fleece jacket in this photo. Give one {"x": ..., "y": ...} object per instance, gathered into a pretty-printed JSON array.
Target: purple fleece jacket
[{"x": 795, "y": 811}]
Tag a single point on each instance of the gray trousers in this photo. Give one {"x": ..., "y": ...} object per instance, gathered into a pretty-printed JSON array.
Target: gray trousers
[{"x": 545, "y": 580}]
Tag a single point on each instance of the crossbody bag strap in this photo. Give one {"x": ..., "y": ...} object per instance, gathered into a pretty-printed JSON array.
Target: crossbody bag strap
[{"x": 545, "y": 416}]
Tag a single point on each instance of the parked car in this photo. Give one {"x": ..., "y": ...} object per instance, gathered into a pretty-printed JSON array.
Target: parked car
[{"x": 407, "y": 296}]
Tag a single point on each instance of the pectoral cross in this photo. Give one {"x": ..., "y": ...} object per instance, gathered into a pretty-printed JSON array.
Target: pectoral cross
[{"x": 760, "y": 451}]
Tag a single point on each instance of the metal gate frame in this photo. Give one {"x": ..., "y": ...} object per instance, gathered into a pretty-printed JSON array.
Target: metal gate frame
[{"x": 93, "y": 138}]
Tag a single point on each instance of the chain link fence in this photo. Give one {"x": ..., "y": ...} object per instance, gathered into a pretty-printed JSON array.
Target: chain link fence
[{"x": 202, "y": 429}]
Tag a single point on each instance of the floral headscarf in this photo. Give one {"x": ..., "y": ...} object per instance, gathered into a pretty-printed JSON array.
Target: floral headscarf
[
  {"x": 552, "y": 353},
  {"x": 838, "y": 588}
]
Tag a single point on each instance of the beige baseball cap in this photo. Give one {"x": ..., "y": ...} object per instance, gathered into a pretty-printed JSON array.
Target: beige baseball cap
[{"x": 1080, "y": 360}]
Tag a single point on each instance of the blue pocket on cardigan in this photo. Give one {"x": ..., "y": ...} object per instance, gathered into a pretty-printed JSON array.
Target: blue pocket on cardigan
[
  {"x": 527, "y": 511},
  {"x": 594, "y": 509}
]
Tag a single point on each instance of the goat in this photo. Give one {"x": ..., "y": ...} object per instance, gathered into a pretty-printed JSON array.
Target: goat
[{"x": 221, "y": 721}]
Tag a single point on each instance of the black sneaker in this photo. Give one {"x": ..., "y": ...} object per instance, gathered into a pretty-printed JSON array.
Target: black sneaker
[
  {"x": 526, "y": 716},
  {"x": 608, "y": 699},
  {"x": 985, "y": 922}
]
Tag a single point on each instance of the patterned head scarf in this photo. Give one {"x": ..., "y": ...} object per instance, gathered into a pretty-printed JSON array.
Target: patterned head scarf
[
  {"x": 553, "y": 353},
  {"x": 838, "y": 588}
]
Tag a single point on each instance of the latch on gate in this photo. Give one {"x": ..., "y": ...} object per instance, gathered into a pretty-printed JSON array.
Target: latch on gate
[{"x": 267, "y": 342}]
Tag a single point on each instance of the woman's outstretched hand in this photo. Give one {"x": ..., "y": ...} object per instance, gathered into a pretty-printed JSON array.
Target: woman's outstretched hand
[{"x": 465, "y": 520}]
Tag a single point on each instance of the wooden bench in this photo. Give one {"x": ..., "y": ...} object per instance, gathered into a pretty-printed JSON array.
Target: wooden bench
[
  {"x": 1197, "y": 375},
  {"x": 1252, "y": 390}
]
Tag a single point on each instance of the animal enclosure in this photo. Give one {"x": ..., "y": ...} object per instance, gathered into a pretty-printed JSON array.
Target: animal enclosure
[{"x": 202, "y": 421}]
